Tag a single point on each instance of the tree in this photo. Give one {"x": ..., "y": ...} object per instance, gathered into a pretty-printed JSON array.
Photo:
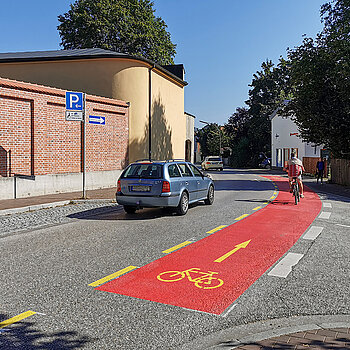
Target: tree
[
  {"x": 209, "y": 139},
  {"x": 125, "y": 26},
  {"x": 237, "y": 128},
  {"x": 319, "y": 75},
  {"x": 249, "y": 128}
]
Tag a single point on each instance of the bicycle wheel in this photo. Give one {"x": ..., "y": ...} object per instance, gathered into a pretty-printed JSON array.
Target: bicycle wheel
[
  {"x": 171, "y": 276},
  {"x": 209, "y": 283},
  {"x": 298, "y": 192}
]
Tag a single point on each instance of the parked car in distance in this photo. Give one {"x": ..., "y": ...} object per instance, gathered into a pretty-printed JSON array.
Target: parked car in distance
[
  {"x": 171, "y": 183},
  {"x": 213, "y": 162}
]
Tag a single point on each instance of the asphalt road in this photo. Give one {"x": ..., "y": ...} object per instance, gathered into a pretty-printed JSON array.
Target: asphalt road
[{"x": 48, "y": 270}]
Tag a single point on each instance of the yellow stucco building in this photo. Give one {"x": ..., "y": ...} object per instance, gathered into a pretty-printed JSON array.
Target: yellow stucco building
[{"x": 155, "y": 93}]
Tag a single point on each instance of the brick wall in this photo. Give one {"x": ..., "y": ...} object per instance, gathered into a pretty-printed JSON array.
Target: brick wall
[{"x": 35, "y": 138}]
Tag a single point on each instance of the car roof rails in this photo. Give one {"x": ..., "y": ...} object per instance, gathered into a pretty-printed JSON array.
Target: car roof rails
[
  {"x": 143, "y": 159},
  {"x": 176, "y": 160}
]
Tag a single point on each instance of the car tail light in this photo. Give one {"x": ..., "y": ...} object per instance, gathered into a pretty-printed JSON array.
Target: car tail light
[
  {"x": 208, "y": 162},
  {"x": 165, "y": 187},
  {"x": 119, "y": 188}
]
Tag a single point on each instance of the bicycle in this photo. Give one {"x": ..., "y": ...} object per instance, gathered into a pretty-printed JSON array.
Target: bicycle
[
  {"x": 205, "y": 281},
  {"x": 295, "y": 190}
]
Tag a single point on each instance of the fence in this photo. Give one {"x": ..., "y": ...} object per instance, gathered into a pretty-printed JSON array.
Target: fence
[
  {"x": 310, "y": 165},
  {"x": 340, "y": 171}
]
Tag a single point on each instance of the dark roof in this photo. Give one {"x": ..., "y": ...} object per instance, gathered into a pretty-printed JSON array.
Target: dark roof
[
  {"x": 10, "y": 57},
  {"x": 176, "y": 69}
]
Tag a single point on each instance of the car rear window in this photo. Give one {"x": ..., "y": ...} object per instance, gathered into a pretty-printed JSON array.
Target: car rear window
[
  {"x": 147, "y": 171},
  {"x": 212, "y": 159}
]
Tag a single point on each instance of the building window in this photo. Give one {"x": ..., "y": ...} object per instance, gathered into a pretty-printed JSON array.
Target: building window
[
  {"x": 295, "y": 151},
  {"x": 279, "y": 157},
  {"x": 286, "y": 156}
]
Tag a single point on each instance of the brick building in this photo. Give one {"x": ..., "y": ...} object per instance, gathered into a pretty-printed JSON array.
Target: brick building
[
  {"x": 41, "y": 152},
  {"x": 158, "y": 125}
]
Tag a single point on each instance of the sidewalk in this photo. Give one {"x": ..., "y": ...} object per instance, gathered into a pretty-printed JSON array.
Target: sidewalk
[
  {"x": 11, "y": 206},
  {"x": 330, "y": 338},
  {"x": 322, "y": 332},
  {"x": 326, "y": 187}
]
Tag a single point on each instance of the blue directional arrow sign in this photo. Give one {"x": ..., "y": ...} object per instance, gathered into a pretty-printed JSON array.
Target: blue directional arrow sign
[{"x": 97, "y": 120}]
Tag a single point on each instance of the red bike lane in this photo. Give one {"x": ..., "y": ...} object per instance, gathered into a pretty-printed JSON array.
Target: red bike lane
[{"x": 235, "y": 257}]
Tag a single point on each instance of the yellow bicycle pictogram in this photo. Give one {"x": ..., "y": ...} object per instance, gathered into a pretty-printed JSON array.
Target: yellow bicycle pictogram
[{"x": 206, "y": 280}]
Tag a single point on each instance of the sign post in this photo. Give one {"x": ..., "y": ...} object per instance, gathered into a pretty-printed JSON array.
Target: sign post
[
  {"x": 75, "y": 111},
  {"x": 84, "y": 149}
]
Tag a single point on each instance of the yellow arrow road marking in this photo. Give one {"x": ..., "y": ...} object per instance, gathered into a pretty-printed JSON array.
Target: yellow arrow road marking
[
  {"x": 217, "y": 228},
  {"x": 112, "y": 276},
  {"x": 17, "y": 318},
  {"x": 237, "y": 247},
  {"x": 176, "y": 247}
]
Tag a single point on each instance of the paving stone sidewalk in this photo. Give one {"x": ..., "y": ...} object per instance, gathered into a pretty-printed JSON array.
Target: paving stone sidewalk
[
  {"x": 333, "y": 338},
  {"x": 23, "y": 214}
]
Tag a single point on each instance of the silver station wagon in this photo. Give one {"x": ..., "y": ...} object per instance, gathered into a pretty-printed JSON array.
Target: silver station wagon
[{"x": 172, "y": 183}]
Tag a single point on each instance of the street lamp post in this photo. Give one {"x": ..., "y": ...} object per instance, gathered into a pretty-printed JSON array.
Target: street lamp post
[{"x": 204, "y": 122}]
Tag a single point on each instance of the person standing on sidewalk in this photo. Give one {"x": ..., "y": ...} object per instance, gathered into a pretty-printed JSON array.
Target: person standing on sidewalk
[{"x": 320, "y": 170}]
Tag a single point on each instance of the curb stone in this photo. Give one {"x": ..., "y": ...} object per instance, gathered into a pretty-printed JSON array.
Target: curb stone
[
  {"x": 244, "y": 334},
  {"x": 51, "y": 205}
]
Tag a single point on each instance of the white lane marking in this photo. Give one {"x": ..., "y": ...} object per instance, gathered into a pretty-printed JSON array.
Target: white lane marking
[
  {"x": 313, "y": 232},
  {"x": 325, "y": 215},
  {"x": 343, "y": 225},
  {"x": 327, "y": 205},
  {"x": 227, "y": 311},
  {"x": 284, "y": 267}
]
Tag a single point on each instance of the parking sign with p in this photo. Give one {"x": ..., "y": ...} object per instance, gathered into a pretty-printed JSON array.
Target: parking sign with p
[{"x": 74, "y": 101}]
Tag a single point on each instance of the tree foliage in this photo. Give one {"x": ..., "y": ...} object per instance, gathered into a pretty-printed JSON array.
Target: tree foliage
[
  {"x": 319, "y": 75},
  {"x": 209, "y": 139},
  {"x": 249, "y": 127},
  {"x": 125, "y": 26}
]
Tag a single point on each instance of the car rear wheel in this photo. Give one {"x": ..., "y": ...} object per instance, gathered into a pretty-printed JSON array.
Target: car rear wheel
[
  {"x": 129, "y": 209},
  {"x": 182, "y": 208},
  {"x": 210, "y": 198}
]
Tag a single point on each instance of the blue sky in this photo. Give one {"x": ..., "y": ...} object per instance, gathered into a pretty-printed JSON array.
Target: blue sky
[{"x": 221, "y": 43}]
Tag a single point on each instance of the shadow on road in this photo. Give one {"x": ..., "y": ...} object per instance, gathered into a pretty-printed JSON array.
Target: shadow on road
[
  {"x": 24, "y": 336},
  {"x": 114, "y": 213},
  {"x": 243, "y": 185}
]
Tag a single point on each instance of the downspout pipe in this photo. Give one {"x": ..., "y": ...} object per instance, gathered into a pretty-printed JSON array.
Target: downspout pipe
[{"x": 150, "y": 111}]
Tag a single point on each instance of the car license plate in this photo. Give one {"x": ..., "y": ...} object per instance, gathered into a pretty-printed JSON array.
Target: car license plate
[{"x": 140, "y": 188}]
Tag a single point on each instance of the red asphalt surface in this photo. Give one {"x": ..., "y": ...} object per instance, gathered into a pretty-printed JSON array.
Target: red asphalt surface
[{"x": 273, "y": 230}]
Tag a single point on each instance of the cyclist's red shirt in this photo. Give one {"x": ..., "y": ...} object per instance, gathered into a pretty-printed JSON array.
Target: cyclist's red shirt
[{"x": 294, "y": 170}]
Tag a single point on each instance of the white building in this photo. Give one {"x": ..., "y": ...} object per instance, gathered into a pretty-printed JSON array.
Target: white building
[{"x": 285, "y": 140}]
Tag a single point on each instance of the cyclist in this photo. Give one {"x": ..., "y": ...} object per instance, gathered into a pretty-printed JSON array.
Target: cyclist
[{"x": 295, "y": 168}]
